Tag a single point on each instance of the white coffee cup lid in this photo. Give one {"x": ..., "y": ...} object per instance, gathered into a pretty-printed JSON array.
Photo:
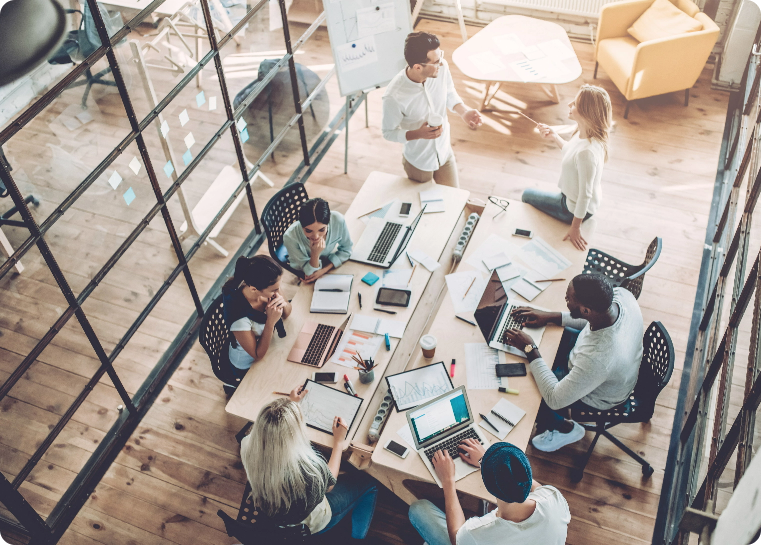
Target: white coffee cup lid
[
  {"x": 435, "y": 120},
  {"x": 428, "y": 342}
]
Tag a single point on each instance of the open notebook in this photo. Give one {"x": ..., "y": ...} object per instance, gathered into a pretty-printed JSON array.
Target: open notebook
[{"x": 332, "y": 293}]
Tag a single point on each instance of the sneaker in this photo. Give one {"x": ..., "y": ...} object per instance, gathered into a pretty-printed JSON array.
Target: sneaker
[{"x": 552, "y": 440}]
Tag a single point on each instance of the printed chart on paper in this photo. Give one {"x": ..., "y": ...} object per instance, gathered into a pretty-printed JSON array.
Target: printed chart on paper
[
  {"x": 419, "y": 385},
  {"x": 322, "y": 404}
]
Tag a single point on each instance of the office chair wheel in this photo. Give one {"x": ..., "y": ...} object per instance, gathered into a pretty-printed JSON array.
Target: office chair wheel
[
  {"x": 576, "y": 474},
  {"x": 647, "y": 471},
  {"x": 35, "y": 201}
]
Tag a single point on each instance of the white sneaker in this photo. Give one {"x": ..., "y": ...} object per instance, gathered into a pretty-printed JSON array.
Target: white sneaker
[{"x": 552, "y": 440}]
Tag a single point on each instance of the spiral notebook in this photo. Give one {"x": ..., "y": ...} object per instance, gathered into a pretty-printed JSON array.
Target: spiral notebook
[{"x": 332, "y": 293}]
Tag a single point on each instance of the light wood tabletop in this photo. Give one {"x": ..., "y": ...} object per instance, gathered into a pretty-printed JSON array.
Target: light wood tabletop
[
  {"x": 452, "y": 334},
  {"x": 274, "y": 373}
]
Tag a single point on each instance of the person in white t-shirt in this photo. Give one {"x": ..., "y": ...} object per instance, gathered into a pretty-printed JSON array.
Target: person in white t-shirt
[
  {"x": 526, "y": 512},
  {"x": 581, "y": 167},
  {"x": 415, "y": 112}
]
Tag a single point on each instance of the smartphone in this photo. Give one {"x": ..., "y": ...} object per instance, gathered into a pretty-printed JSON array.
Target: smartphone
[
  {"x": 394, "y": 297},
  {"x": 523, "y": 233},
  {"x": 395, "y": 448},
  {"x": 404, "y": 211},
  {"x": 511, "y": 369},
  {"x": 325, "y": 378}
]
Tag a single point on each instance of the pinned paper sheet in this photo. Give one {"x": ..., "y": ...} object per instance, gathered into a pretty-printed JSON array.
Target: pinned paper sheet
[
  {"x": 212, "y": 103},
  {"x": 465, "y": 288},
  {"x": 240, "y": 124},
  {"x": 509, "y": 44},
  {"x": 129, "y": 196},
  {"x": 164, "y": 128},
  {"x": 200, "y": 99},
  {"x": 84, "y": 117},
  {"x": 375, "y": 20},
  {"x": 115, "y": 180},
  {"x": 486, "y": 62},
  {"x": 135, "y": 165},
  {"x": 189, "y": 140},
  {"x": 168, "y": 169},
  {"x": 244, "y": 135},
  {"x": 187, "y": 157},
  {"x": 357, "y": 54},
  {"x": 557, "y": 50},
  {"x": 184, "y": 118},
  {"x": 424, "y": 259}
]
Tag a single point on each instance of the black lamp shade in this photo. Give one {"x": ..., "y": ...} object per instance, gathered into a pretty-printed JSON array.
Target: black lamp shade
[{"x": 30, "y": 32}]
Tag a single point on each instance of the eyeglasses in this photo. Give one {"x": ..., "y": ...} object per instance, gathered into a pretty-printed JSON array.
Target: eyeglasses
[
  {"x": 499, "y": 203},
  {"x": 440, "y": 62}
]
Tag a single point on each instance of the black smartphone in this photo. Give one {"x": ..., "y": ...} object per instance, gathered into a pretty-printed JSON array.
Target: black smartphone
[
  {"x": 404, "y": 210},
  {"x": 394, "y": 297},
  {"x": 511, "y": 369},
  {"x": 326, "y": 378},
  {"x": 396, "y": 448},
  {"x": 523, "y": 233}
]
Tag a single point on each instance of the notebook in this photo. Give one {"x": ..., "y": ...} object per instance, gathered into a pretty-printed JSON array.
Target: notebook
[
  {"x": 379, "y": 326},
  {"x": 511, "y": 412},
  {"x": 332, "y": 293},
  {"x": 434, "y": 198}
]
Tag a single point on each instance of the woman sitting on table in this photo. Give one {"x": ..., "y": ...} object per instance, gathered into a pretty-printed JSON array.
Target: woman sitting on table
[
  {"x": 253, "y": 308},
  {"x": 581, "y": 167},
  {"x": 319, "y": 241},
  {"x": 292, "y": 484}
]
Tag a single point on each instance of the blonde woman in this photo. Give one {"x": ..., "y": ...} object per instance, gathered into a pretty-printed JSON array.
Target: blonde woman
[
  {"x": 291, "y": 483},
  {"x": 581, "y": 168}
]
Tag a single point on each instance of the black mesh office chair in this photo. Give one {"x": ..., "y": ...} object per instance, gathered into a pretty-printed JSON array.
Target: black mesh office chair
[
  {"x": 654, "y": 373},
  {"x": 251, "y": 528},
  {"x": 279, "y": 213},
  {"x": 214, "y": 338},
  {"x": 622, "y": 274}
]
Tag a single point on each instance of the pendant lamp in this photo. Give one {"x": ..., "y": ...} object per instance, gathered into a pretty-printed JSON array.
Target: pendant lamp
[{"x": 30, "y": 32}]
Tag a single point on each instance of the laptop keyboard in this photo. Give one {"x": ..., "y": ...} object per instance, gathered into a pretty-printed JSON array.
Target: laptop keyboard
[
  {"x": 316, "y": 348},
  {"x": 451, "y": 444},
  {"x": 511, "y": 323},
  {"x": 383, "y": 244}
]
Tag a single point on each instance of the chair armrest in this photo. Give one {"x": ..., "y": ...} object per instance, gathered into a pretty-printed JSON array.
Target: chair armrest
[
  {"x": 670, "y": 64},
  {"x": 616, "y": 18}
]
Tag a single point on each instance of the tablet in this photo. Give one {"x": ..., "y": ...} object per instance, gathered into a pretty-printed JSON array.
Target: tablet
[
  {"x": 323, "y": 403},
  {"x": 412, "y": 388}
]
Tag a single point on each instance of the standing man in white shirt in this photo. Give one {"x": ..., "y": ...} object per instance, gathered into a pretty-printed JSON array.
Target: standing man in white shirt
[
  {"x": 415, "y": 111},
  {"x": 527, "y": 513}
]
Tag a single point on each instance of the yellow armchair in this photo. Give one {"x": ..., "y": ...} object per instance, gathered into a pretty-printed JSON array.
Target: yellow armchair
[{"x": 654, "y": 67}]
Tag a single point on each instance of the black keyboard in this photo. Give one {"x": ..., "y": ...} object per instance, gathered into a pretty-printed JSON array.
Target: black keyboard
[
  {"x": 383, "y": 244},
  {"x": 451, "y": 444},
  {"x": 511, "y": 323},
  {"x": 316, "y": 348}
]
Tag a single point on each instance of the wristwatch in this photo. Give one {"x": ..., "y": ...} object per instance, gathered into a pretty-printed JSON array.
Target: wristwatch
[{"x": 530, "y": 348}]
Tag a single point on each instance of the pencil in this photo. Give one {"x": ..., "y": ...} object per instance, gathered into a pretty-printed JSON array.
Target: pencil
[
  {"x": 280, "y": 394},
  {"x": 471, "y": 285},
  {"x": 550, "y": 280},
  {"x": 524, "y": 115},
  {"x": 370, "y": 212},
  {"x": 411, "y": 274}
]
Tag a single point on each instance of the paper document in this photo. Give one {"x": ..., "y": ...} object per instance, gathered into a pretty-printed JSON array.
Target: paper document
[
  {"x": 424, "y": 259},
  {"x": 380, "y": 213},
  {"x": 396, "y": 278},
  {"x": 506, "y": 410},
  {"x": 557, "y": 50},
  {"x": 528, "y": 289},
  {"x": 532, "y": 52},
  {"x": 379, "y": 326},
  {"x": 433, "y": 200},
  {"x": 509, "y": 44},
  {"x": 415, "y": 387},
  {"x": 486, "y": 62},
  {"x": 543, "y": 258},
  {"x": 496, "y": 261},
  {"x": 375, "y": 20},
  {"x": 357, "y": 54},
  {"x": 332, "y": 293},
  {"x": 480, "y": 367},
  {"x": 459, "y": 283},
  {"x": 322, "y": 404},
  {"x": 510, "y": 275},
  {"x": 406, "y": 434},
  {"x": 492, "y": 246},
  {"x": 365, "y": 345}
]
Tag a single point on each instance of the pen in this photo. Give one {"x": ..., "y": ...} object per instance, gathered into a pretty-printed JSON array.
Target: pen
[
  {"x": 386, "y": 311},
  {"x": 487, "y": 421},
  {"x": 550, "y": 280},
  {"x": 495, "y": 413},
  {"x": 349, "y": 386},
  {"x": 388, "y": 342},
  {"x": 509, "y": 391},
  {"x": 464, "y": 320},
  {"x": 359, "y": 295},
  {"x": 336, "y": 291},
  {"x": 304, "y": 386},
  {"x": 411, "y": 274},
  {"x": 451, "y": 369},
  {"x": 280, "y": 394},
  {"x": 409, "y": 259}
]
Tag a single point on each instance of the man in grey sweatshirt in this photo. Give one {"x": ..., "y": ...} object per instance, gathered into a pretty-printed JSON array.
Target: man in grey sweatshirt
[{"x": 597, "y": 362}]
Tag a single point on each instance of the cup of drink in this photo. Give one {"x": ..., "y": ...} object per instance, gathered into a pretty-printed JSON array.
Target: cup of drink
[
  {"x": 435, "y": 120},
  {"x": 428, "y": 344}
]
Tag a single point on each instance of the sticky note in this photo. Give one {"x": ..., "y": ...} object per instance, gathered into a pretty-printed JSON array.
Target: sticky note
[
  {"x": 187, "y": 157},
  {"x": 84, "y": 117},
  {"x": 168, "y": 169},
  {"x": 241, "y": 124},
  {"x": 200, "y": 99},
  {"x": 370, "y": 278},
  {"x": 244, "y": 134},
  {"x": 189, "y": 140},
  {"x": 212, "y": 103},
  {"x": 184, "y": 118},
  {"x": 164, "y": 128},
  {"x": 135, "y": 165},
  {"x": 129, "y": 196},
  {"x": 115, "y": 180}
]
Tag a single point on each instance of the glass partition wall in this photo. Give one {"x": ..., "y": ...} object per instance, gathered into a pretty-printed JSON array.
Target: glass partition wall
[{"x": 136, "y": 176}]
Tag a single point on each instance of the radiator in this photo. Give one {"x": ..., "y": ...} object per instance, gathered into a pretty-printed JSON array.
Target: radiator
[{"x": 584, "y": 8}]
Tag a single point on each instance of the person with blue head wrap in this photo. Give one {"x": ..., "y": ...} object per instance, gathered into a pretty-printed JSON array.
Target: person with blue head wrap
[{"x": 526, "y": 512}]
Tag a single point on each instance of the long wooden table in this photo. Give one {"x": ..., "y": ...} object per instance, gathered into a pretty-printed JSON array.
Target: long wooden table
[
  {"x": 274, "y": 373},
  {"x": 452, "y": 334}
]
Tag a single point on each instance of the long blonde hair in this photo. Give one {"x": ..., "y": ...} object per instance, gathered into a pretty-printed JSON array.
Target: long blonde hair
[
  {"x": 279, "y": 458},
  {"x": 593, "y": 105}
]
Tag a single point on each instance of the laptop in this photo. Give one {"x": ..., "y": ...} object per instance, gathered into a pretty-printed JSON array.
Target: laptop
[
  {"x": 382, "y": 242},
  {"x": 494, "y": 316},
  {"x": 442, "y": 424},
  {"x": 316, "y": 343}
]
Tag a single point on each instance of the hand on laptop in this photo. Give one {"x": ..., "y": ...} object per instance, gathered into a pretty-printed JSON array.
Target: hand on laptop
[
  {"x": 444, "y": 466},
  {"x": 517, "y": 338},
  {"x": 533, "y": 317},
  {"x": 474, "y": 450}
]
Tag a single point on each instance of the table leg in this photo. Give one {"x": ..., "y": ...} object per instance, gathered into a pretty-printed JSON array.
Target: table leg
[
  {"x": 552, "y": 92},
  {"x": 487, "y": 92},
  {"x": 7, "y": 250}
]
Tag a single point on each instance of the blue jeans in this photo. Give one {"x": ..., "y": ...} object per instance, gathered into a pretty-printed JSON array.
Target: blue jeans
[
  {"x": 356, "y": 493},
  {"x": 552, "y": 203},
  {"x": 430, "y": 522}
]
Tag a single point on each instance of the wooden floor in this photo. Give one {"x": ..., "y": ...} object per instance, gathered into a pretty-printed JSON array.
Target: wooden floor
[{"x": 183, "y": 464}]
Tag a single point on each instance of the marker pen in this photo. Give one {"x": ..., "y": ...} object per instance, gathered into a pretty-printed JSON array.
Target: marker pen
[
  {"x": 451, "y": 369},
  {"x": 349, "y": 386},
  {"x": 388, "y": 342}
]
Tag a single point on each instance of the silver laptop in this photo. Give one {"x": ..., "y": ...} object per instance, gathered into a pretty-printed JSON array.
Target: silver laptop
[
  {"x": 442, "y": 424},
  {"x": 382, "y": 242},
  {"x": 494, "y": 316}
]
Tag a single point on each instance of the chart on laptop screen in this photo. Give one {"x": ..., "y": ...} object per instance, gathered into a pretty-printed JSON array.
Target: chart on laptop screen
[{"x": 439, "y": 417}]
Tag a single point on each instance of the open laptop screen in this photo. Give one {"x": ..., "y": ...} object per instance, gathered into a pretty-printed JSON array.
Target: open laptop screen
[
  {"x": 432, "y": 420},
  {"x": 490, "y": 307}
]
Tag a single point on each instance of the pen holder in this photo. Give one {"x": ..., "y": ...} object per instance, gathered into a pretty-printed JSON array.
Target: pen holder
[{"x": 366, "y": 377}]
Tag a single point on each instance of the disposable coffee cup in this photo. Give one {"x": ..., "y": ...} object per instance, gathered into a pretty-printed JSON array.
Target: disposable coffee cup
[
  {"x": 435, "y": 120},
  {"x": 428, "y": 344}
]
